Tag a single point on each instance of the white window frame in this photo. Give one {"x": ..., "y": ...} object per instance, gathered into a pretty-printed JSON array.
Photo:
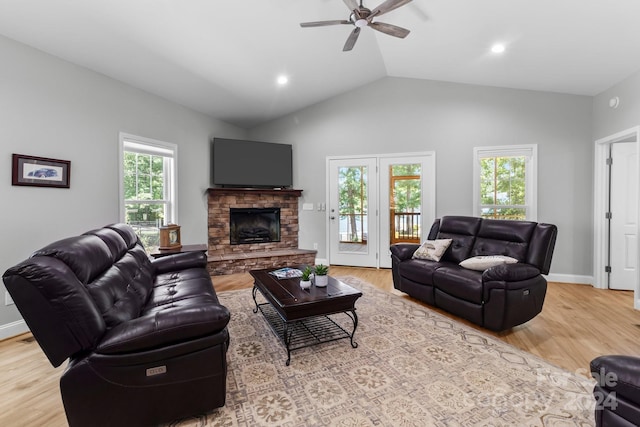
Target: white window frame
[
  {"x": 139, "y": 144},
  {"x": 530, "y": 152}
]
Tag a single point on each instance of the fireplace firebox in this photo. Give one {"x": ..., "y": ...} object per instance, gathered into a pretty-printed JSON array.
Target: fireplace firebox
[{"x": 254, "y": 225}]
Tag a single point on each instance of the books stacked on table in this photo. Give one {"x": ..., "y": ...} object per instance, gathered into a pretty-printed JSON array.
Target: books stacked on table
[{"x": 286, "y": 273}]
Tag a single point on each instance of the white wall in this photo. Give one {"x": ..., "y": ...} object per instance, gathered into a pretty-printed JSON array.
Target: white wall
[
  {"x": 51, "y": 108},
  {"x": 395, "y": 115},
  {"x": 608, "y": 121}
]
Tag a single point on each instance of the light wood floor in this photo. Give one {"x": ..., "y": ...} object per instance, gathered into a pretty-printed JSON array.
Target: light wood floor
[{"x": 577, "y": 324}]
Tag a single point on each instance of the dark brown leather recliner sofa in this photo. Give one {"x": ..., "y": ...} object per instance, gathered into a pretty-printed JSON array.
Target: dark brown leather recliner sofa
[
  {"x": 146, "y": 340},
  {"x": 617, "y": 390},
  {"x": 497, "y": 298}
]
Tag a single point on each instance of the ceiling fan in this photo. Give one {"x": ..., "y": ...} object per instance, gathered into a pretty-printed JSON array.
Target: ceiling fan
[{"x": 362, "y": 17}]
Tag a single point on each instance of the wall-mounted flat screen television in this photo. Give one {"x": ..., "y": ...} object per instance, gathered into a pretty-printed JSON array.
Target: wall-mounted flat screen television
[{"x": 240, "y": 163}]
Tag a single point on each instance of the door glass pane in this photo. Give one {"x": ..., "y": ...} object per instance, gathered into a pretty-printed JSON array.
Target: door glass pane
[
  {"x": 405, "y": 203},
  {"x": 353, "y": 208}
]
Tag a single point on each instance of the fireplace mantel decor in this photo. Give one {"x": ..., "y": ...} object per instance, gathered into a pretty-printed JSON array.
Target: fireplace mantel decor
[{"x": 170, "y": 237}]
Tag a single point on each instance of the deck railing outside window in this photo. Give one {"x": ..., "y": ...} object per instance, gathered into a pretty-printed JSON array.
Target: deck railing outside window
[{"x": 406, "y": 226}]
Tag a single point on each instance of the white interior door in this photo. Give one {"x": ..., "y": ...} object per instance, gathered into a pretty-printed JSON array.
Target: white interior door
[
  {"x": 407, "y": 200},
  {"x": 624, "y": 216},
  {"x": 352, "y": 212}
]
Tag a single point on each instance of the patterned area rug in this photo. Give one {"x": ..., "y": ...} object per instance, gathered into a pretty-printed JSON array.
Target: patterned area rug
[{"x": 412, "y": 367}]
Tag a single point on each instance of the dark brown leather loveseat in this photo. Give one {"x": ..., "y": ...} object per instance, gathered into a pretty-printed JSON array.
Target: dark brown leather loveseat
[
  {"x": 617, "y": 390},
  {"x": 146, "y": 340},
  {"x": 497, "y": 298}
]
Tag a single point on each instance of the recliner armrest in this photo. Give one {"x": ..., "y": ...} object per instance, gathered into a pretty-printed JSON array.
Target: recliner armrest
[
  {"x": 510, "y": 273},
  {"x": 620, "y": 374},
  {"x": 403, "y": 251},
  {"x": 182, "y": 321},
  {"x": 181, "y": 261}
]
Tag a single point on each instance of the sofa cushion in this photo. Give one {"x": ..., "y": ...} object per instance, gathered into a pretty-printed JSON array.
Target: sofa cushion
[
  {"x": 459, "y": 282},
  {"x": 516, "y": 272},
  {"x": 113, "y": 240},
  {"x": 432, "y": 250},
  {"x": 418, "y": 270},
  {"x": 481, "y": 263},
  {"x": 462, "y": 230},
  {"x": 171, "y": 287},
  {"x": 124, "y": 288},
  {"x": 87, "y": 256},
  {"x": 127, "y": 233},
  {"x": 500, "y": 237},
  {"x": 165, "y": 325}
]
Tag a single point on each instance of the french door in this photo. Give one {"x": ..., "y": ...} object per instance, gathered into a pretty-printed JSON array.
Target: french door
[
  {"x": 407, "y": 201},
  {"x": 353, "y": 206},
  {"x": 377, "y": 201}
]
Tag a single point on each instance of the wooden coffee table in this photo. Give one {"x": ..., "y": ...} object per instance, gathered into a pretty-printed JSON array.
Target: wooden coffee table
[{"x": 301, "y": 318}]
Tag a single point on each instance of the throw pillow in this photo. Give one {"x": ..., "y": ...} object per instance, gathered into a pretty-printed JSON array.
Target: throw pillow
[
  {"x": 432, "y": 250},
  {"x": 481, "y": 263}
]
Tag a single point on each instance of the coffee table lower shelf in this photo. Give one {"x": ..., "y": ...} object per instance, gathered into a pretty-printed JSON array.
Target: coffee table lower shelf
[{"x": 306, "y": 332}]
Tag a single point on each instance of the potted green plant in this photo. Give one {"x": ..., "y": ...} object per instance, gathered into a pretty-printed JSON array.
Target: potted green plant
[
  {"x": 305, "y": 279},
  {"x": 321, "y": 278}
]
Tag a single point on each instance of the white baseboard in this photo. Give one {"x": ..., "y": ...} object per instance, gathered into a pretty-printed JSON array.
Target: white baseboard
[
  {"x": 12, "y": 329},
  {"x": 322, "y": 261},
  {"x": 569, "y": 278}
]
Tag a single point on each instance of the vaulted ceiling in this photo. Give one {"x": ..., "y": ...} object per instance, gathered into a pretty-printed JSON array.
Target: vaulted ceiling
[{"x": 223, "y": 58}]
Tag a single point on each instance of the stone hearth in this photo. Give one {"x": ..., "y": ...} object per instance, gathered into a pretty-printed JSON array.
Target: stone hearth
[{"x": 225, "y": 258}]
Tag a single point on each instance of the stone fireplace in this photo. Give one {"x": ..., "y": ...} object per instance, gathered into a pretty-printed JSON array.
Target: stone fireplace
[{"x": 257, "y": 211}]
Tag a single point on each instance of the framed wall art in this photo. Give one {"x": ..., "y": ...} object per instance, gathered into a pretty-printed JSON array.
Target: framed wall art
[{"x": 40, "y": 171}]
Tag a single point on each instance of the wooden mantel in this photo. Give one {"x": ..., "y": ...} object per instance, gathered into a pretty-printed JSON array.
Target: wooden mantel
[{"x": 231, "y": 190}]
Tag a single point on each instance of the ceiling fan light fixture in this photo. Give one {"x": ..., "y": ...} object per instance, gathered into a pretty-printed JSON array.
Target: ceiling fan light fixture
[{"x": 361, "y": 17}]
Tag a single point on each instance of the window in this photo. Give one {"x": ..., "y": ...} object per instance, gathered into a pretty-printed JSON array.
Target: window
[
  {"x": 504, "y": 182},
  {"x": 148, "y": 186}
]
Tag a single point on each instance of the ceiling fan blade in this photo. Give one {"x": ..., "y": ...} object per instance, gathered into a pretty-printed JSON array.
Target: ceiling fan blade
[
  {"x": 388, "y": 6},
  {"x": 324, "y": 23},
  {"x": 351, "y": 4},
  {"x": 351, "y": 41},
  {"x": 392, "y": 30}
]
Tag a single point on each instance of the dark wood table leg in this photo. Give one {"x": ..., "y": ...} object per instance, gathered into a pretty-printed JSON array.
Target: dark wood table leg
[
  {"x": 353, "y": 317},
  {"x": 286, "y": 337},
  {"x": 253, "y": 293}
]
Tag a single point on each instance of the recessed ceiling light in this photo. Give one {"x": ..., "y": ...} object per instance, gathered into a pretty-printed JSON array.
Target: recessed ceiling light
[
  {"x": 283, "y": 80},
  {"x": 497, "y": 48}
]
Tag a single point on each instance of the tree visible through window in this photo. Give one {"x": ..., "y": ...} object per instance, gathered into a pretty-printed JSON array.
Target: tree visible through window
[
  {"x": 353, "y": 203},
  {"x": 406, "y": 200},
  {"x": 502, "y": 187},
  {"x": 504, "y": 178},
  {"x": 148, "y": 173}
]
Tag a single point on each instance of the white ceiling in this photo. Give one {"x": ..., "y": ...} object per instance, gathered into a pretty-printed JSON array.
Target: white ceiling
[{"x": 222, "y": 57}]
